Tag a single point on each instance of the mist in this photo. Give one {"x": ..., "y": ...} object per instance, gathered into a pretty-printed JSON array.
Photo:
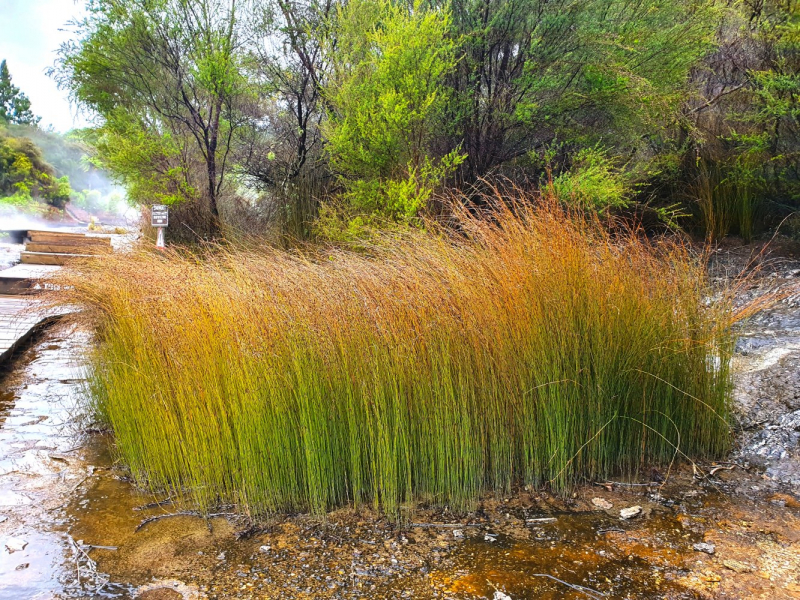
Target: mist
[{"x": 94, "y": 196}]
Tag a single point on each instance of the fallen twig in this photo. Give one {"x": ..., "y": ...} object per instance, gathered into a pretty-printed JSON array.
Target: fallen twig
[
  {"x": 720, "y": 468},
  {"x": 183, "y": 513},
  {"x": 150, "y": 505},
  {"x": 578, "y": 588},
  {"x": 609, "y": 529},
  {"x": 542, "y": 520},
  {"x": 443, "y": 525}
]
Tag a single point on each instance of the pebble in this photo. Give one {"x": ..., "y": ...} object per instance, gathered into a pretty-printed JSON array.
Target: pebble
[
  {"x": 490, "y": 537},
  {"x": 630, "y": 512},
  {"x": 221, "y": 556},
  {"x": 458, "y": 534},
  {"x": 705, "y": 547},
  {"x": 498, "y": 595},
  {"x": 15, "y": 545},
  {"x": 738, "y": 567},
  {"x": 265, "y": 548},
  {"x": 602, "y": 503}
]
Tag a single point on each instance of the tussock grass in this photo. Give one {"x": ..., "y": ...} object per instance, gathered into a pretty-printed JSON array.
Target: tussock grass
[{"x": 530, "y": 348}]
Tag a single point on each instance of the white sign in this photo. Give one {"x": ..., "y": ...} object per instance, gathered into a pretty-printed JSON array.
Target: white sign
[{"x": 159, "y": 215}]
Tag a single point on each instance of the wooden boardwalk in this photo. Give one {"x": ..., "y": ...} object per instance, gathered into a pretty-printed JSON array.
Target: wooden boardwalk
[
  {"x": 21, "y": 312},
  {"x": 24, "y": 279},
  {"x": 20, "y": 318}
]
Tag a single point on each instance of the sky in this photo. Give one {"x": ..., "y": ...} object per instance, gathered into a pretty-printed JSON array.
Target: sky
[{"x": 30, "y": 33}]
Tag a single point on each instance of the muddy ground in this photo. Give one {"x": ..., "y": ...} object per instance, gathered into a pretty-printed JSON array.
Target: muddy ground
[{"x": 73, "y": 526}]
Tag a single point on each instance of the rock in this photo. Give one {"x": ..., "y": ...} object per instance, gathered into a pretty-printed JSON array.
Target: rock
[
  {"x": 705, "y": 547},
  {"x": 22, "y": 567},
  {"x": 489, "y": 537},
  {"x": 630, "y": 512},
  {"x": 498, "y": 595},
  {"x": 15, "y": 545},
  {"x": 265, "y": 549},
  {"x": 738, "y": 567},
  {"x": 221, "y": 556},
  {"x": 602, "y": 503},
  {"x": 458, "y": 534}
]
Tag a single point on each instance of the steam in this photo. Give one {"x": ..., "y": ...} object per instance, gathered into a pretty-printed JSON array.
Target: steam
[
  {"x": 95, "y": 196},
  {"x": 14, "y": 219}
]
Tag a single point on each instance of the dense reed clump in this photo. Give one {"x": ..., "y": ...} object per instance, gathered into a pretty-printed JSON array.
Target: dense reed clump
[{"x": 531, "y": 348}]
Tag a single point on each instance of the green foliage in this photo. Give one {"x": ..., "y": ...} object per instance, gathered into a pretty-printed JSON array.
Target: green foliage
[
  {"x": 386, "y": 96},
  {"x": 15, "y": 107},
  {"x": 165, "y": 78},
  {"x": 26, "y": 177},
  {"x": 593, "y": 182},
  {"x": 745, "y": 136},
  {"x": 372, "y": 106},
  {"x": 150, "y": 166},
  {"x": 585, "y": 71}
]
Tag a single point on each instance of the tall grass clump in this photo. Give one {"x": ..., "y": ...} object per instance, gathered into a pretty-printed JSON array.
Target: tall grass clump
[{"x": 530, "y": 347}]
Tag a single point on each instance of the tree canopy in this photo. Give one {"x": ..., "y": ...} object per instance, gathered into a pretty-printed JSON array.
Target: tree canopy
[
  {"x": 15, "y": 107},
  {"x": 270, "y": 109}
]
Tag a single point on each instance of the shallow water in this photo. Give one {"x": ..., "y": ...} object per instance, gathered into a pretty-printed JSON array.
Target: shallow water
[{"x": 75, "y": 513}]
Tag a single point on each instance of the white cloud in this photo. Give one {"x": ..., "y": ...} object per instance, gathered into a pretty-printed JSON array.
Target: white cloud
[{"x": 30, "y": 33}]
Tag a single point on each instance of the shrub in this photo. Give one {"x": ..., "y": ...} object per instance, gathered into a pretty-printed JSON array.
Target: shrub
[
  {"x": 594, "y": 182},
  {"x": 532, "y": 347}
]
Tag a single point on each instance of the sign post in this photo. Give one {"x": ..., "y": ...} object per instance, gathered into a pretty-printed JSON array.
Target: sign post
[{"x": 159, "y": 216}]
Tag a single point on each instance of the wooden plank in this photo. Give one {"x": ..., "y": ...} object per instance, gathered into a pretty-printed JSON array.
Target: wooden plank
[
  {"x": 56, "y": 232},
  {"x": 72, "y": 238},
  {"x": 25, "y": 279},
  {"x": 41, "y": 258},
  {"x": 54, "y": 248}
]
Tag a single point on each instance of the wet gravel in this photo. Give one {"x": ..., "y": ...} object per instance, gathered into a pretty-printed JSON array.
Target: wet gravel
[{"x": 767, "y": 363}]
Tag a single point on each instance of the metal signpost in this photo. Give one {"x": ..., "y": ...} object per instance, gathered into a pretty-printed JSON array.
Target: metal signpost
[{"x": 159, "y": 216}]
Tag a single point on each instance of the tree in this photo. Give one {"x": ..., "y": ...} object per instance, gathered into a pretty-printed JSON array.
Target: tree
[
  {"x": 386, "y": 97},
  {"x": 15, "y": 107},
  {"x": 281, "y": 155},
  {"x": 172, "y": 69},
  {"x": 586, "y": 71}
]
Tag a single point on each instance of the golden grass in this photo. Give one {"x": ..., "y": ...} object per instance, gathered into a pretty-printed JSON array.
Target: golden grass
[{"x": 532, "y": 347}]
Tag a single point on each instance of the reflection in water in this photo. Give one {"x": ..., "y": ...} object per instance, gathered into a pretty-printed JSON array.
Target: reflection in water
[{"x": 44, "y": 462}]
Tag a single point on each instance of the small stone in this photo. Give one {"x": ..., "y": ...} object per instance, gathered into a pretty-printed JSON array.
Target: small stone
[
  {"x": 602, "y": 503},
  {"x": 15, "y": 545},
  {"x": 705, "y": 547},
  {"x": 498, "y": 595},
  {"x": 458, "y": 534},
  {"x": 738, "y": 567},
  {"x": 490, "y": 538},
  {"x": 22, "y": 567},
  {"x": 265, "y": 549},
  {"x": 630, "y": 512},
  {"x": 221, "y": 556}
]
